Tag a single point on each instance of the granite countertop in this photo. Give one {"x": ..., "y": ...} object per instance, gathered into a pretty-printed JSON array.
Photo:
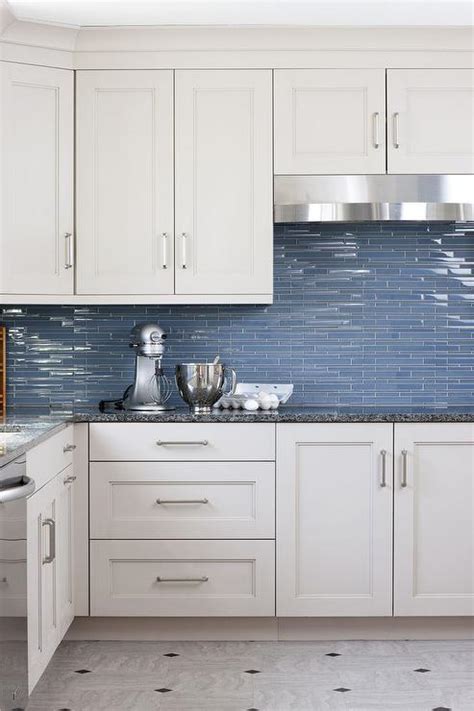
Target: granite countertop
[
  {"x": 287, "y": 414},
  {"x": 25, "y": 428},
  {"x": 19, "y": 433}
]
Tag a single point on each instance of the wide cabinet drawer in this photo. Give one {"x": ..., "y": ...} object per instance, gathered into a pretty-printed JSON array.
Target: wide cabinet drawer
[
  {"x": 182, "y": 578},
  {"x": 182, "y": 500},
  {"x": 119, "y": 441}
]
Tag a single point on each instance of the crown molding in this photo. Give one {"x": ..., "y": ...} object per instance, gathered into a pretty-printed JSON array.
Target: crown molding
[{"x": 214, "y": 47}]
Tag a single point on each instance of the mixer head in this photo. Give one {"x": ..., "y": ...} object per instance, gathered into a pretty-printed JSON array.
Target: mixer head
[{"x": 148, "y": 340}]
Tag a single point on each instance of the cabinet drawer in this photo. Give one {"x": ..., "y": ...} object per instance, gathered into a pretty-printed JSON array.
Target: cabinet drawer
[
  {"x": 182, "y": 578},
  {"x": 49, "y": 458},
  {"x": 182, "y": 500},
  {"x": 121, "y": 441}
]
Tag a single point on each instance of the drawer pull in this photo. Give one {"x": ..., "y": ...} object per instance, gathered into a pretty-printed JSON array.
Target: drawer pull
[
  {"x": 69, "y": 479},
  {"x": 383, "y": 481},
  {"x": 182, "y": 501},
  {"x": 69, "y": 448},
  {"x": 202, "y": 579},
  {"x": 4, "y": 581},
  {"x": 404, "y": 482},
  {"x": 196, "y": 443}
]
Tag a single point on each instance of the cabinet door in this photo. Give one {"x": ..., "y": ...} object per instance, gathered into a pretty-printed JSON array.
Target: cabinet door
[
  {"x": 43, "y": 622},
  {"x": 36, "y": 250},
  {"x": 65, "y": 549},
  {"x": 329, "y": 121},
  {"x": 125, "y": 182},
  {"x": 334, "y": 520},
  {"x": 431, "y": 119},
  {"x": 434, "y": 519},
  {"x": 224, "y": 183}
]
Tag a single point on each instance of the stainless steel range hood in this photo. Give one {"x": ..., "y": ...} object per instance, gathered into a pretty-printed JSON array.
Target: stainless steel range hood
[{"x": 369, "y": 198}]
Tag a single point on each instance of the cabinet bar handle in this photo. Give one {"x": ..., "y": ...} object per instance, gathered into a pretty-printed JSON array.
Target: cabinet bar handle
[
  {"x": 198, "y": 442},
  {"x": 69, "y": 261},
  {"x": 404, "y": 468},
  {"x": 375, "y": 129},
  {"x": 51, "y": 524},
  {"x": 184, "y": 237},
  {"x": 202, "y": 579},
  {"x": 182, "y": 501},
  {"x": 69, "y": 448},
  {"x": 396, "y": 130},
  {"x": 164, "y": 238},
  {"x": 383, "y": 480},
  {"x": 69, "y": 479}
]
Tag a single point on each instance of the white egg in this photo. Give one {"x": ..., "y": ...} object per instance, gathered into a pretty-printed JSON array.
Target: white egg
[{"x": 251, "y": 405}]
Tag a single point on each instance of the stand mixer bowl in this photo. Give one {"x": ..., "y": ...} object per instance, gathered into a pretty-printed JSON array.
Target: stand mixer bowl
[{"x": 201, "y": 385}]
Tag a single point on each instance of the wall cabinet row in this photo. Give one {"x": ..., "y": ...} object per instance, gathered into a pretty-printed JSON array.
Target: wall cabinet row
[
  {"x": 346, "y": 121},
  {"x": 173, "y": 169},
  {"x": 173, "y": 183}
]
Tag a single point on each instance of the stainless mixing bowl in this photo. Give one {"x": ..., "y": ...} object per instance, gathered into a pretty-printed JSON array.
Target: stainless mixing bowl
[{"x": 201, "y": 385}]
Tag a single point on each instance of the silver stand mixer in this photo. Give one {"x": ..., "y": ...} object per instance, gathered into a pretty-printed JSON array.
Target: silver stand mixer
[{"x": 151, "y": 388}]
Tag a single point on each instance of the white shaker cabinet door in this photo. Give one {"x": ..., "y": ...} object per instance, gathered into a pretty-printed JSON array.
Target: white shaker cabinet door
[
  {"x": 125, "y": 182},
  {"x": 329, "y": 121},
  {"x": 334, "y": 520},
  {"x": 36, "y": 231},
  {"x": 430, "y": 120},
  {"x": 224, "y": 182},
  {"x": 434, "y": 519}
]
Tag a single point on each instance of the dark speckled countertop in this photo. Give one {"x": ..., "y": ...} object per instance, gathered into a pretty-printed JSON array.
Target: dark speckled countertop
[
  {"x": 19, "y": 433},
  {"x": 287, "y": 414}
]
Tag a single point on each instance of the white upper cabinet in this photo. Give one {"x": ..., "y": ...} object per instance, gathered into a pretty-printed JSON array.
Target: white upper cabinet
[
  {"x": 430, "y": 120},
  {"x": 434, "y": 519},
  {"x": 36, "y": 231},
  {"x": 334, "y": 520},
  {"x": 329, "y": 121},
  {"x": 224, "y": 187},
  {"x": 125, "y": 182}
]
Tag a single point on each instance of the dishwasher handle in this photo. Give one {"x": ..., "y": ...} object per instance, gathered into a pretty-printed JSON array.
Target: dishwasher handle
[{"x": 24, "y": 489}]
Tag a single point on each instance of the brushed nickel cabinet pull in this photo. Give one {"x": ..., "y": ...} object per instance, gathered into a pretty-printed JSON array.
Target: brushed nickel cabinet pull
[
  {"x": 172, "y": 443},
  {"x": 51, "y": 524},
  {"x": 396, "y": 130},
  {"x": 202, "y": 579},
  {"x": 3, "y": 581},
  {"x": 164, "y": 241},
  {"x": 375, "y": 129},
  {"x": 184, "y": 237},
  {"x": 404, "y": 480},
  {"x": 182, "y": 501},
  {"x": 69, "y": 259},
  {"x": 69, "y": 448},
  {"x": 383, "y": 480},
  {"x": 70, "y": 479}
]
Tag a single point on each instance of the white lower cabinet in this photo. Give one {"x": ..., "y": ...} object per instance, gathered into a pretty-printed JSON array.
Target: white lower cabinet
[
  {"x": 182, "y": 578},
  {"x": 49, "y": 570},
  {"x": 434, "y": 519},
  {"x": 334, "y": 520}
]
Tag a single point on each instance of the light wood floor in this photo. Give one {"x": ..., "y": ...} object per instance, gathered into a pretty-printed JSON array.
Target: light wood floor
[{"x": 268, "y": 676}]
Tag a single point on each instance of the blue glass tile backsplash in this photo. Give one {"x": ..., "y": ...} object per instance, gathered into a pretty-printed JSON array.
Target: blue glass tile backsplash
[{"x": 373, "y": 314}]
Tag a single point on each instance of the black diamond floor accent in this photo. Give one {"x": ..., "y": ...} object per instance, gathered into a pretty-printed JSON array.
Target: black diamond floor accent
[
  {"x": 83, "y": 671},
  {"x": 252, "y": 709},
  {"x": 163, "y": 691},
  {"x": 171, "y": 654},
  {"x": 342, "y": 689},
  {"x": 332, "y": 654},
  {"x": 442, "y": 708},
  {"x": 252, "y": 671},
  {"x": 421, "y": 670}
]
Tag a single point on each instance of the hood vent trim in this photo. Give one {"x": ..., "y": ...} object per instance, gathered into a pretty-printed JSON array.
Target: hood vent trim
[{"x": 373, "y": 198}]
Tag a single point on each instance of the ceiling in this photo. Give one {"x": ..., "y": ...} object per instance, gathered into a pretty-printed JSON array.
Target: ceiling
[{"x": 86, "y": 13}]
